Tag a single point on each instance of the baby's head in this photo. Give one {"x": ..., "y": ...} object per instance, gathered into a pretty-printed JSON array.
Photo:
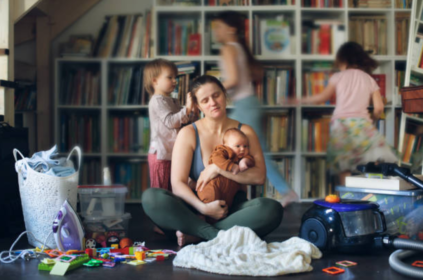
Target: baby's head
[
  {"x": 237, "y": 141},
  {"x": 160, "y": 74}
]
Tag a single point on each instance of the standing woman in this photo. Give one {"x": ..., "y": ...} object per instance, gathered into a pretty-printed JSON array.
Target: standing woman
[{"x": 239, "y": 70}]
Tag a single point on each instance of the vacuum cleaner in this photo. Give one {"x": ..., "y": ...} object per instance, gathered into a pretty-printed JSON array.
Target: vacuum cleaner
[{"x": 355, "y": 226}]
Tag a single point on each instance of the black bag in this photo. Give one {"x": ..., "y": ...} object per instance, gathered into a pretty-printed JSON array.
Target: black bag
[{"x": 11, "y": 217}]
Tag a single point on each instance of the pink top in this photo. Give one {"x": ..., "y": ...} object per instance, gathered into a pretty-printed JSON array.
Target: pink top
[{"x": 353, "y": 91}]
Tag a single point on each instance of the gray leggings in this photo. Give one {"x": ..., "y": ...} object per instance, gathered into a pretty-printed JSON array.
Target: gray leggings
[{"x": 171, "y": 213}]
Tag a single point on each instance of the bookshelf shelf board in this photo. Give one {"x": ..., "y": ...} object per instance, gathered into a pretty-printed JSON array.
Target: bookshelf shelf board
[
  {"x": 127, "y": 60},
  {"x": 280, "y": 154},
  {"x": 79, "y": 107},
  {"x": 402, "y": 10},
  {"x": 314, "y": 57},
  {"x": 80, "y": 59},
  {"x": 325, "y": 10},
  {"x": 167, "y": 9},
  {"x": 126, "y": 107},
  {"x": 401, "y": 58},
  {"x": 313, "y": 154},
  {"x": 369, "y": 10},
  {"x": 275, "y": 58},
  {"x": 181, "y": 57},
  {"x": 272, "y": 8},
  {"x": 270, "y": 107},
  {"x": 417, "y": 70},
  {"x": 416, "y": 119}
]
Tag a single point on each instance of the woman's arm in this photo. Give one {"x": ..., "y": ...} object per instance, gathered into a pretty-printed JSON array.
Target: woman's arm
[
  {"x": 183, "y": 151},
  {"x": 253, "y": 176},
  {"x": 229, "y": 55},
  {"x": 325, "y": 95}
]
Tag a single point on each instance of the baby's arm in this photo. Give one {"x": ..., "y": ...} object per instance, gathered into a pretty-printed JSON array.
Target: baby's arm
[
  {"x": 220, "y": 157},
  {"x": 246, "y": 162}
]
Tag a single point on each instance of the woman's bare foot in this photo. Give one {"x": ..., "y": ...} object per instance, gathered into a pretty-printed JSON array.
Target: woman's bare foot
[
  {"x": 158, "y": 230},
  {"x": 289, "y": 197},
  {"x": 184, "y": 239}
]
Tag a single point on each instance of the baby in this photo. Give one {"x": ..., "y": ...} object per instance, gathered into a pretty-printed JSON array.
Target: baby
[{"x": 233, "y": 156}]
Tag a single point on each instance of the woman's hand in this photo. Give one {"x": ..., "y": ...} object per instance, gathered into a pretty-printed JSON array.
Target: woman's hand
[
  {"x": 216, "y": 209},
  {"x": 209, "y": 173}
]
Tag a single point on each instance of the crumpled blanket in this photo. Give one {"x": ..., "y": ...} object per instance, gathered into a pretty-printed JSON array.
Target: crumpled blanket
[{"x": 239, "y": 251}]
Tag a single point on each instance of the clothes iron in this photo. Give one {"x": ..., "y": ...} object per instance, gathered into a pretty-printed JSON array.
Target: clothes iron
[{"x": 67, "y": 229}]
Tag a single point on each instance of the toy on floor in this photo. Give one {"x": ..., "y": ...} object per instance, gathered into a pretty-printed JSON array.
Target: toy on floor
[{"x": 333, "y": 270}]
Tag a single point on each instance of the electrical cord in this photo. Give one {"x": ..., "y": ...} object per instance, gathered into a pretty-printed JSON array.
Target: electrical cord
[{"x": 24, "y": 254}]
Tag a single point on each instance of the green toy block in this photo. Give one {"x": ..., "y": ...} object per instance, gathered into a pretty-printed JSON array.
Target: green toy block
[{"x": 73, "y": 264}]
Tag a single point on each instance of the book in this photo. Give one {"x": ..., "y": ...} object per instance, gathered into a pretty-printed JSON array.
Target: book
[
  {"x": 390, "y": 183},
  {"x": 275, "y": 37}
]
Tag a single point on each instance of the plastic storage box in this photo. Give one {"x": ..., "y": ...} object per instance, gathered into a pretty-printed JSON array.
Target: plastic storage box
[
  {"x": 403, "y": 210},
  {"x": 96, "y": 227},
  {"x": 102, "y": 201}
]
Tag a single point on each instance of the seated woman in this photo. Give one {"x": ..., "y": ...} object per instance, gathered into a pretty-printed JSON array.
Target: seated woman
[{"x": 178, "y": 211}]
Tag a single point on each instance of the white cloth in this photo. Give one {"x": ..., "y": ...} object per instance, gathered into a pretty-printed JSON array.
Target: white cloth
[{"x": 239, "y": 251}]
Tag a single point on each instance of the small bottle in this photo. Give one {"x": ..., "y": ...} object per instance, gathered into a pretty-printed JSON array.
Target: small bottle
[{"x": 107, "y": 181}]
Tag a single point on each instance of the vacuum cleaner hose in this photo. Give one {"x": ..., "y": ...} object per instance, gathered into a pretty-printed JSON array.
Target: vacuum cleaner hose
[{"x": 396, "y": 257}]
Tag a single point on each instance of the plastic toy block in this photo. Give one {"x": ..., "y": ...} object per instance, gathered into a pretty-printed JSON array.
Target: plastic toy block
[
  {"x": 115, "y": 246},
  {"x": 417, "y": 263},
  {"x": 140, "y": 256},
  {"x": 346, "y": 263},
  {"x": 160, "y": 258},
  {"x": 136, "y": 262},
  {"x": 73, "y": 264},
  {"x": 333, "y": 270}
]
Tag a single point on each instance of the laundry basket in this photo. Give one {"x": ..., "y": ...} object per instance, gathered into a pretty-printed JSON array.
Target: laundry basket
[{"x": 42, "y": 196}]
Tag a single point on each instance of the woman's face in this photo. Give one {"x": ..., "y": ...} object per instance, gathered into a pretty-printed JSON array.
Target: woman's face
[
  {"x": 211, "y": 100},
  {"x": 222, "y": 31}
]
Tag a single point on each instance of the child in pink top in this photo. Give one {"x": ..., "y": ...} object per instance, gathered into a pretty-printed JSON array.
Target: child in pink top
[{"x": 353, "y": 138}]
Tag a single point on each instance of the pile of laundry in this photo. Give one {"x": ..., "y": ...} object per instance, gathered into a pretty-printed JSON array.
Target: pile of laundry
[{"x": 46, "y": 162}]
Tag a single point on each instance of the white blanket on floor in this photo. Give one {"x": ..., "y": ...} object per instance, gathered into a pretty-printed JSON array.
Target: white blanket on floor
[{"x": 239, "y": 251}]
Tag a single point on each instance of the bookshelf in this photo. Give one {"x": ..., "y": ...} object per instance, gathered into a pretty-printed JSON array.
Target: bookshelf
[
  {"x": 291, "y": 155},
  {"x": 411, "y": 125}
]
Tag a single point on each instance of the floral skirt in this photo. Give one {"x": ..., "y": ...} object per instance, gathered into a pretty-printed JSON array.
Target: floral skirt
[{"x": 355, "y": 141}]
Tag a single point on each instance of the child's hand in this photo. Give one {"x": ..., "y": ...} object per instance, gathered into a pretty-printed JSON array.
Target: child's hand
[
  {"x": 235, "y": 169},
  {"x": 189, "y": 105},
  {"x": 244, "y": 164},
  {"x": 291, "y": 101}
]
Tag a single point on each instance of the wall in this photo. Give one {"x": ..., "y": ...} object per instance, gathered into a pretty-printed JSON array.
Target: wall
[{"x": 91, "y": 22}]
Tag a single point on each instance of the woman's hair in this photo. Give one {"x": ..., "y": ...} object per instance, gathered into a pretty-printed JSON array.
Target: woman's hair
[
  {"x": 197, "y": 83},
  {"x": 153, "y": 69},
  {"x": 237, "y": 21},
  {"x": 354, "y": 56}
]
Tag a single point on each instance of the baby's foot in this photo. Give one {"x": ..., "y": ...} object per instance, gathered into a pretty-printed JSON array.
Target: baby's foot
[
  {"x": 184, "y": 239},
  {"x": 289, "y": 198}
]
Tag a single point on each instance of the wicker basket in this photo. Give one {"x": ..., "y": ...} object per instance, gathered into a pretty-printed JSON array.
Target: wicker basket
[{"x": 42, "y": 196}]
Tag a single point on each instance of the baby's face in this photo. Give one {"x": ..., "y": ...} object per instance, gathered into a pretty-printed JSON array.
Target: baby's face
[{"x": 238, "y": 144}]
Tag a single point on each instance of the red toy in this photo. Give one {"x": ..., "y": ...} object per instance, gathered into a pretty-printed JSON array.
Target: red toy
[
  {"x": 160, "y": 258},
  {"x": 333, "y": 270},
  {"x": 125, "y": 242}
]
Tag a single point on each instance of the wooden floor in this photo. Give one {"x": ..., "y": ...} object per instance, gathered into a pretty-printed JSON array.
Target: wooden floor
[{"x": 373, "y": 266}]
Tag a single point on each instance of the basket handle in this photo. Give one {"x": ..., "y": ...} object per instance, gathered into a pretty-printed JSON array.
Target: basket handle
[
  {"x": 78, "y": 150},
  {"x": 17, "y": 151}
]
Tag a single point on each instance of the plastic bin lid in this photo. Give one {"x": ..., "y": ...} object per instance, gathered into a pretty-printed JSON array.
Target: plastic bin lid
[
  {"x": 415, "y": 192},
  {"x": 96, "y": 219},
  {"x": 89, "y": 189}
]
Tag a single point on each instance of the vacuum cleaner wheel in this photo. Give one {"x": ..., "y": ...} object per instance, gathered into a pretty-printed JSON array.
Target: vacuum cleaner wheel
[{"x": 314, "y": 231}]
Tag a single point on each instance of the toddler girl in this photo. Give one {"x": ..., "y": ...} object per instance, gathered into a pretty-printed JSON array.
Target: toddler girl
[
  {"x": 353, "y": 138},
  {"x": 166, "y": 118}
]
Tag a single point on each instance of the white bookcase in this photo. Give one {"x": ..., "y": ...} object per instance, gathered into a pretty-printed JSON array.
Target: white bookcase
[{"x": 298, "y": 60}]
